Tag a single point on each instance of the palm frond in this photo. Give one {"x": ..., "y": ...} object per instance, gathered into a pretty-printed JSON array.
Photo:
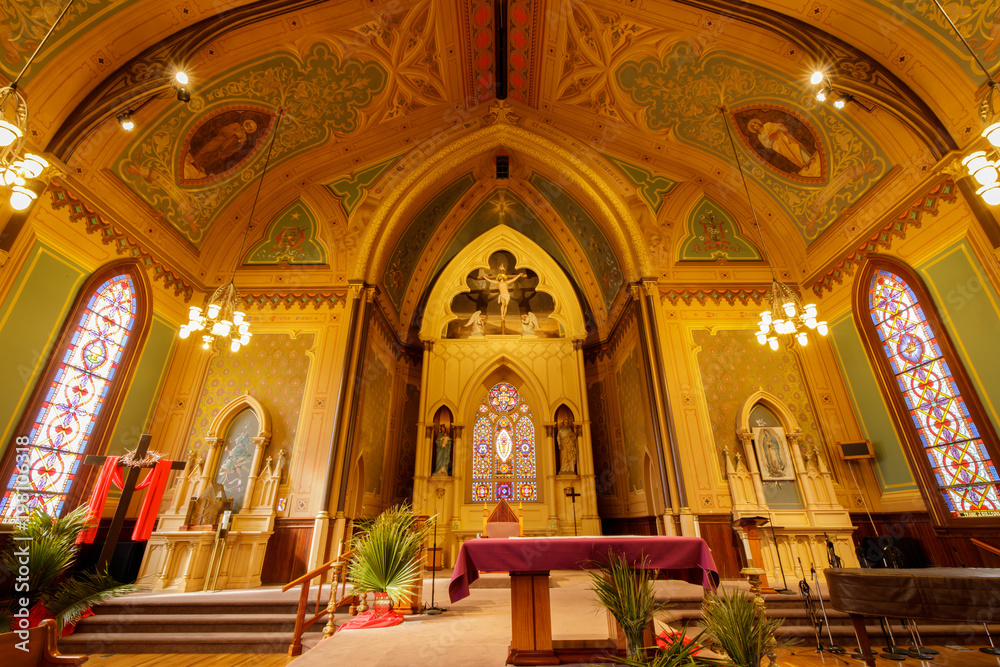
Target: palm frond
[
  {"x": 51, "y": 544},
  {"x": 80, "y": 592},
  {"x": 628, "y": 596},
  {"x": 678, "y": 654},
  {"x": 385, "y": 554},
  {"x": 738, "y": 628}
]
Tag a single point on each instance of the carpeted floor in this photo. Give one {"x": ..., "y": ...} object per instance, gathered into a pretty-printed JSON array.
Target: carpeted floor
[{"x": 473, "y": 631}]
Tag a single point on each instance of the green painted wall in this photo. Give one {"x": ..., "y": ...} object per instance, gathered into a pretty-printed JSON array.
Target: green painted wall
[
  {"x": 968, "y": 305},
  {"x": 30, "y": 320},
  {"x": 890, "y": 460},
  {"x": 136, "y": 414}
]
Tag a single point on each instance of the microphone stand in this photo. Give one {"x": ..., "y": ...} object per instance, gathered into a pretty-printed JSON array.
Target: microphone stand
[{"x": 434, "y": 610}]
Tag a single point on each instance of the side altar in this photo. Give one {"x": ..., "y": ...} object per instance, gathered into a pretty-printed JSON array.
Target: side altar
[{"x": 220, "y": 513}]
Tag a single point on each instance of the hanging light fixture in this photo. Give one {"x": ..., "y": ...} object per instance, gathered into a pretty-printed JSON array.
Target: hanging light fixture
[
  {"x": 223, "y": 318},
  {"x": 982, "y": 165},
  {"x": 786, "y": 315},
  {"x": 16, "y": 169}
]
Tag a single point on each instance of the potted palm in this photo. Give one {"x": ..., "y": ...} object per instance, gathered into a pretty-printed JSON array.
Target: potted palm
[
  {"x": 385, "y": 557},
  {"x": 735, "y": 623},
  {"x": 52, "y": 591},
  {"x": 628, "y": 596}
]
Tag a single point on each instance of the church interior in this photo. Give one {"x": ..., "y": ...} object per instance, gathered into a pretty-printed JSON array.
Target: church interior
[{"x": 701, "y": 268}]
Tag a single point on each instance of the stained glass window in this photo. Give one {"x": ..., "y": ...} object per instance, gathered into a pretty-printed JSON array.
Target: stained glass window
[
  {"x": 65, "y": 421},
  {"x": 503, "y": 448},
  {"x": 962, "y": 466}
]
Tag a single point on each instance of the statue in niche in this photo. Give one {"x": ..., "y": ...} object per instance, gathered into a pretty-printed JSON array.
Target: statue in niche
[
  {"x": 442, "y": 451},
  {"x": 529, "y": 324},
  {"x": 566, "y": 437}
]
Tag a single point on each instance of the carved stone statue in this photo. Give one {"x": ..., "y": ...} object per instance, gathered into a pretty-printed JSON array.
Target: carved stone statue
[
  {"x": 567, "y": 448},
  {"x": 442, "y": 451}
]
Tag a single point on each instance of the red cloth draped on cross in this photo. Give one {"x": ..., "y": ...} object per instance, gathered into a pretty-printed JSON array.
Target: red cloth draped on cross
[{"x": 156, "y": 482}]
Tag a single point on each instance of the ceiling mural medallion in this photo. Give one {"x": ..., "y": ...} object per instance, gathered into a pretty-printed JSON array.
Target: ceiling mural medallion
[
  {"x": 783, "y": 140},
  {"x": 291, "y": 238},
  {"x": 222, "y": 142},
  {"x": 712, "y": 235}
]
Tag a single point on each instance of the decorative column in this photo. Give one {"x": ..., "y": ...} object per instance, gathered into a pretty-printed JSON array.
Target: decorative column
[
  {"x": 425, "y": 441},
  {"x": 556, "y": 520},
  {"x": 801, "y": 472},
  {"x": 591, "y": 521}
]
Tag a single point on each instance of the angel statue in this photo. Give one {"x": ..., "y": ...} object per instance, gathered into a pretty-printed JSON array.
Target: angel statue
[
  {"x": 477, "y": 322},
  {"x": 529, "y": 324}
]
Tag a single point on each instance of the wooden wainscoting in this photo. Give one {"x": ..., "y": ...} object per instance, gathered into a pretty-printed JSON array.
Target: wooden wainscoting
[
  {"x": 287, "y": 551},
  {"x": 631, "y": 525},
  {"x": 717, "y": 531},
  {"x": 922, "y": 544}
]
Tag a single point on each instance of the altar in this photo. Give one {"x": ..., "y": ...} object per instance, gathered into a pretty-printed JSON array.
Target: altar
[{"x": 529, "y": 561}]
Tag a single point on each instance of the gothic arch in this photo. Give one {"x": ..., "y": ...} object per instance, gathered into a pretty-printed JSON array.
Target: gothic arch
[
  {"x": 552, "y": 280},
  {"x": 218, "y": 427},
  {"x": 615, "y": 216},
  {"x": 774, "y": 404}
]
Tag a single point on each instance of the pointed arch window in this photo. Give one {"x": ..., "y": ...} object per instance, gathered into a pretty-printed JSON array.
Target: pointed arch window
[
  {"x": 503, "y": 448},
  {"x": 78, "y": 395},
  {"x": 936, "y": 410}
]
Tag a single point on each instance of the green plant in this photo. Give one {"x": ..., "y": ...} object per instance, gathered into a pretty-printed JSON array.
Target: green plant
[
  {"x": 627, "y": 594},
  {"x": 385, "y": 554},
  {"x": 738, "y": 627},
  {"x": 51, "y": 552}
]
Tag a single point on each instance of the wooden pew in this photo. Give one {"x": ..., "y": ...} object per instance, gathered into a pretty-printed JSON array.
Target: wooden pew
[{"x": 41, "y": 648}]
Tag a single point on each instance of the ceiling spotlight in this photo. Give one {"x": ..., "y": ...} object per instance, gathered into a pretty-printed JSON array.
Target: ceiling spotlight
[
  {"x": 822, "y": 94},
  {"x": 816, "y": 78},
  {"x": 183, "y": 95},
  {"x": 841, "y": 101},
  {"x": 125, "y": 120},
  {"x": 181, "y": 78}
]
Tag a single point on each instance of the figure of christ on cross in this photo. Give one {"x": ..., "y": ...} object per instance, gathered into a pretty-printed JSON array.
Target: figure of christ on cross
[
  {"x": 128, "y": 488},
  {"x": 502, "y": 282}
]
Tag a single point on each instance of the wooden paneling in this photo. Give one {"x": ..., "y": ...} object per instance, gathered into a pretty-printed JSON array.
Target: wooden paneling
[
  {"x": 633, "y": 525},
  {"x": 923, "y": 545},
  {"x": 717, "y": 531},
  {"x": 287, "y": 551}
]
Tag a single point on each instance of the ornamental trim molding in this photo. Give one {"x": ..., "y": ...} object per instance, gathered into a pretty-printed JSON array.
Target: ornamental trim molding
[
  {"x": 895, "y": 226},
  {"x": 716, "y": 295},
  {"x": 124, "y": 244},
  {"x": 300, "y": 299}
]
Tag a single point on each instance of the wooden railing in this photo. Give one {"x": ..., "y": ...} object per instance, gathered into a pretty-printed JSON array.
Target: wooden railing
[
  {"x": 339, "y": 568},
  {"x": 989, "y": 547}
]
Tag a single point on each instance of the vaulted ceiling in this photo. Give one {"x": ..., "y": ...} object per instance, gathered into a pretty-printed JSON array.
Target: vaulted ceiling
[{"x": 614, "y": 120}]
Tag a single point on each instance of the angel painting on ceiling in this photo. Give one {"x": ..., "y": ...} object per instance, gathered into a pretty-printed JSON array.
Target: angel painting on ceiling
[{"x": 500, "y": 301}]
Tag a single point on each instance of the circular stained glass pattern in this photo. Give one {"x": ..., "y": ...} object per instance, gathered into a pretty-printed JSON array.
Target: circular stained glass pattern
[{"x": 503, "y": 397}]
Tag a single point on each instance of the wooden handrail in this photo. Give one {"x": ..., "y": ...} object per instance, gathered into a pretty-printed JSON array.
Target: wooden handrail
[
  {"x": 989, "y": 547},
  {"x": 338, "y": 565}
]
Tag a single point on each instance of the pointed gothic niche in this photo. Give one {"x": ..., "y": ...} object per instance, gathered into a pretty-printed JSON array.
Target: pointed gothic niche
[{"x": 478, "y": 310}]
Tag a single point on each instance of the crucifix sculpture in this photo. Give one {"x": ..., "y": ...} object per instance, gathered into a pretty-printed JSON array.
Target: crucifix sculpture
[
  {"x": 128, "y": 488},
  {"x": 572, "y": 495}
]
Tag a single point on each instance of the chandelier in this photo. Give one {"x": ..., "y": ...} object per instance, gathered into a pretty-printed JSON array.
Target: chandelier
[
  {"x": 979, "y": 163},
  {"x": 787, "y": 315},
  {"x": 223, "y": 319},
  {"x": 16, "y": 169}
]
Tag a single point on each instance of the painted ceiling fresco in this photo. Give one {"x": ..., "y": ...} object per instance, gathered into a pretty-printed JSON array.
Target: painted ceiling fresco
[
  {"x": 712, "y": 234},
  {"x": 352, "y": 189},
  {"x": 322, "y": 96},
  {"x": 415, "y": 237},
  {"x": 592, "y": 240},
  {"x": 652, "y": 188},
  {"x": 814, "y": 163},
  {"x": 290, "y": 238}
]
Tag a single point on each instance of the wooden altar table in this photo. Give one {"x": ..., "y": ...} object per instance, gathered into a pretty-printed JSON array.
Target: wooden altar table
[
  {"x": 529, "y": 561},
  {"x": 933, "y": 593}
]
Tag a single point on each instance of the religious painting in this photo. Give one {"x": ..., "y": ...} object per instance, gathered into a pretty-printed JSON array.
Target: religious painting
[
  {"x": 783, "y": 140},
  {"x": 773, "y": 457},
  {"x": 220, "y": 143},
  {"x": 237, "y": 456},
  {"x": 502, "y": 301},
  {"x": 290, "y": 239},
  {"x": 712, "y": 235}
]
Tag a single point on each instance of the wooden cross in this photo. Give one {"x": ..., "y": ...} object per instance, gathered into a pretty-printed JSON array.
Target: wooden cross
[
  {"x": 572, "y": 495},
  {"x": 128, "y": 488}
]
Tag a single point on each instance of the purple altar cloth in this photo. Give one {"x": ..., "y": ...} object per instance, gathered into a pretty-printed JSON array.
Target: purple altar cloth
[{"x": 684, "y": 558}]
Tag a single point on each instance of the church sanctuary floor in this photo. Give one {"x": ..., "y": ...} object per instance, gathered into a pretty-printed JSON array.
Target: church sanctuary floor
[{"x": 476, "y": 631}]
